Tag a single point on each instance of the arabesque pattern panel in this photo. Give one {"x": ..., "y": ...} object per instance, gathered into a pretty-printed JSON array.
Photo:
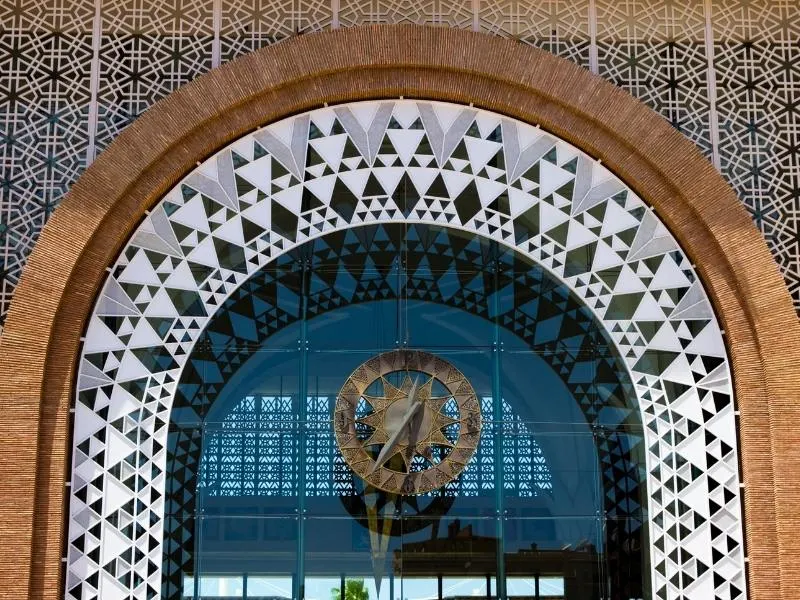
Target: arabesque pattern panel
[
  {"x": 451, "y": 13},
  {"x": 757, "y": 65},
  {"x": 655, "y": 49},
  {"x": 45, "y": 64},
  {"x": 558, "y": 26},
  {"x": 247, "y": 25},
  {"x": 146, "y": 51}
]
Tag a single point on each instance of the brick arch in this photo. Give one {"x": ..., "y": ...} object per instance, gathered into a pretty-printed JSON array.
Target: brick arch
[
  {"x": 405, "y": 161},
  {"x": 41, "y": 340}
]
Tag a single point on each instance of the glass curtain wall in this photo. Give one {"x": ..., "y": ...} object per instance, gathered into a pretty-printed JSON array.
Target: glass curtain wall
[{"x": 262, "y": 503}]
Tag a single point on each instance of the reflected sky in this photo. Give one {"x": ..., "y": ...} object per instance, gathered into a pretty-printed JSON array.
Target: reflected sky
[{"x": 408, "y": 588}]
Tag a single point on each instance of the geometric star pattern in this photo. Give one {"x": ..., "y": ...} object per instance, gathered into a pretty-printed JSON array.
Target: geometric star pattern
[
  {"x": 558, "y": 26},
  {"x": 147, "y": 50},
  {"x": 390, "y": 162},
  {"x": 452, "y": 13},
  {"x": 757, "y": 65},
  {"x": 76, "y": 72},
  {"x": 45, "y": 66},
  {"x": 655, "y": 49}
]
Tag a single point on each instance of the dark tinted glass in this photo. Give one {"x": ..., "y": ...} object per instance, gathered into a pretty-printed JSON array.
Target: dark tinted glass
[{"x": 262, "y": 502}]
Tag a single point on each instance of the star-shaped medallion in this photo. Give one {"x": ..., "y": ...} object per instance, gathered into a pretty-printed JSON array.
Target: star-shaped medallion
[
  {"x": 398, "y": 432},
  {"x": 421, "y": 427}
]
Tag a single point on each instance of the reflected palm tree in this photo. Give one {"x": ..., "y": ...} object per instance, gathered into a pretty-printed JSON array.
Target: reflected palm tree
[{"x": 354, "y": 589}]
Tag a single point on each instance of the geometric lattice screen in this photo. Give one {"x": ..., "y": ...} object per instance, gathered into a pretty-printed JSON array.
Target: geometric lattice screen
[
  {"x": 402, "y": 161},
  {"x": 73, "y": 73}
]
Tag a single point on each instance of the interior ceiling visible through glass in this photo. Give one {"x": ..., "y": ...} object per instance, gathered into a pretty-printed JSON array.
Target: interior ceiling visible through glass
[{"x": 412, "y": 291}]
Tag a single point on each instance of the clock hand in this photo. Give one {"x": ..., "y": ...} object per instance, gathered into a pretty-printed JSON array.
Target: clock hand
[{"x": 388, "y": 449}]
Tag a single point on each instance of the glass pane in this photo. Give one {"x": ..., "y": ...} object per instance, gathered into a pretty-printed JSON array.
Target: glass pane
[
  {"x": 263, "y": 588},
  {"x": 247, "y": 464},
  {"x": 460, "y": 554},
  {"x": 221, "y": 587},
  {"x": 570, "y": 548},
  {"x": 354, "y": 286},
  {"x": 178, "y": 565},
  {"x": 449, "y": 281},
  {"x": 543, "y": 386},
  {"x": 251, "y": 429},
  {"x": 419, "y": 588},
  {"x": 326, "y": 588},
  {"x": 520, "y": 587},
  {"x": 360, "y": 328},
  {"x": 364, "y": 554},
  {"x": 232, "y": 545},
  {"x": 551, "y": 587},
  {"x": 472, "y": 587},
  {"x": 259, "y": 314},
  {"x": 572, "y": 485},
  {"x": 534, "y": 309}
]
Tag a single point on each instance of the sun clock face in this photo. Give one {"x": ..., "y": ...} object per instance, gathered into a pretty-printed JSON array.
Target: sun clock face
[{"x": 407, "y": 422}]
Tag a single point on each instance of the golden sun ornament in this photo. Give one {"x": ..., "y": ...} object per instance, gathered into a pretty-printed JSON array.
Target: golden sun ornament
[{"x": 406, "y": 444}]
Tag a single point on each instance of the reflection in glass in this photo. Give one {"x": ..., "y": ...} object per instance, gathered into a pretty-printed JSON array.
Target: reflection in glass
[
  {"x": 420, "y": 588},
  {"x": 261, "y": 503},
  {"x": 520, "y": 587},
  {"x": 328, "y": 588},
  {"x": 551, "y": 587},
  {"x": 268, "y": 587},
  {"x": 472, "y": 587}
]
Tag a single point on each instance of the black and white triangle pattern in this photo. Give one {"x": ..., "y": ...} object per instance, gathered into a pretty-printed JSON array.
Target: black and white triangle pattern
[{"x": 401, "y": 161}]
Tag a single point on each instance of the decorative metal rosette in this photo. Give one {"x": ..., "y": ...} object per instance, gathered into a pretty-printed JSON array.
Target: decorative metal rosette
[{"x": 407, "y": 422}]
